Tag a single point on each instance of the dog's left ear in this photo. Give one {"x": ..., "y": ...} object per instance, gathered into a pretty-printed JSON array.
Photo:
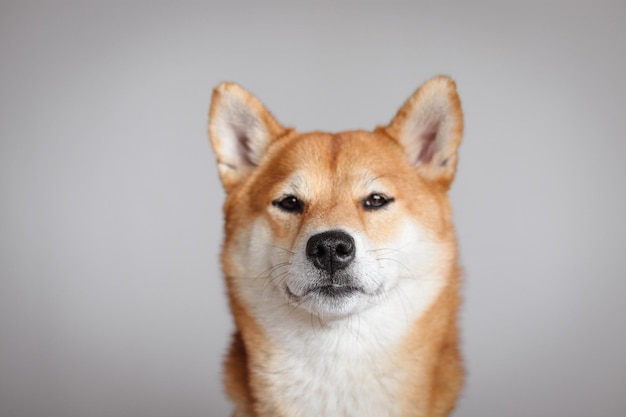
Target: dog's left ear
[
  {"x": 430, "y": 126},
  {"x": 240, "y": 129}
]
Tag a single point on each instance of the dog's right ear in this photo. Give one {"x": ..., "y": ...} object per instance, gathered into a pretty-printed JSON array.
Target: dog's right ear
[{"x": 240, "y": 129}]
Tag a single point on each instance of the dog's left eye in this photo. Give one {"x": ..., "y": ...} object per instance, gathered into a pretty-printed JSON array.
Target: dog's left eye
[
  {"x": 376, "y": 201},
  {"x": 290, "y": 204}
]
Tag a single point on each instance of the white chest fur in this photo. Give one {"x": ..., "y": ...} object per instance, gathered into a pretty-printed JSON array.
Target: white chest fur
[{"x": 342, "y": 378}]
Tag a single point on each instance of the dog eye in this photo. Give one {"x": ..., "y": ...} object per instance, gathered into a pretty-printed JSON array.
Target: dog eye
[
  {"x": 376, "y": 201},
  {"x": 290, "y": 204}
]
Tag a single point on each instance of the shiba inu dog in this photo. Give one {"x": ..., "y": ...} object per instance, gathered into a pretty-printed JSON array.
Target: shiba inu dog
[{"x": 340, "y": 260}]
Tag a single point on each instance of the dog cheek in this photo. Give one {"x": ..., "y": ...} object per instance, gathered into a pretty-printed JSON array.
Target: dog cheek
[
  {"x": 382, "y": 228},
  {"x": 280, "y": 228},
  {"x": 249, "y": 250}
]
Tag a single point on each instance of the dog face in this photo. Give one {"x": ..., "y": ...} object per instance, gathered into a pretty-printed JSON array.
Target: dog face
[{"x": 331, "y": 224}]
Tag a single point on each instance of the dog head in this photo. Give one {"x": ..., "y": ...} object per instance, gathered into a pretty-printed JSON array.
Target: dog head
[{"x": 331, "y": 224}]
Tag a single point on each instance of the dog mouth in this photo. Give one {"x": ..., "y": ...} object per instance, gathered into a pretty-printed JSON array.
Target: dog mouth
[
  {"x": 332, "y": 300},
  {"x": 328, "y": 291},
  {"x": 335, "y": 291}
]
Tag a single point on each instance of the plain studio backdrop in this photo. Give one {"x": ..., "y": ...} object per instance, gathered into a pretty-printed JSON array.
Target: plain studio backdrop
[{"x": 111, "y": 299}]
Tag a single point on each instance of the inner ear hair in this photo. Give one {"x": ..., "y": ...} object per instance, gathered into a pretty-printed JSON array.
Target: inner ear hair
[
  {"x": 240, "y": 129},
  {"x": 429, "y": 126}
]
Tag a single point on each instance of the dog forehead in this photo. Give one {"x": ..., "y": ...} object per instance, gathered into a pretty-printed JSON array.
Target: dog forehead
[{"x": 345, "y": 154}]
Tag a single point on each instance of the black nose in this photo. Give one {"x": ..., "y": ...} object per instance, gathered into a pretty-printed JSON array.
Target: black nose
[{"x": 330, "y": 251}]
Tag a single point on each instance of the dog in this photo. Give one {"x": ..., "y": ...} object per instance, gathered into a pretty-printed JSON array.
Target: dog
[{"x": 340, "y": 260}]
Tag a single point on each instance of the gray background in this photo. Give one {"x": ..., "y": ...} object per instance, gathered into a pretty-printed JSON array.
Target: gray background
[{"x": 111, "y": 301}]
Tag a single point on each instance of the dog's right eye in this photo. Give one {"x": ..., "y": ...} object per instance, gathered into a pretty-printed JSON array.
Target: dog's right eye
[{"x": 290, "y": 204}]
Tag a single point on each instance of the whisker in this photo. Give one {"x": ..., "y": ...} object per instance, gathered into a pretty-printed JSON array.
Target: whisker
[
  {"x": 391, "y": 250},
  {"x": 283, "y": 249},
  {"x": 398, "y": 262},
  {"x": 270, "y": 270}
]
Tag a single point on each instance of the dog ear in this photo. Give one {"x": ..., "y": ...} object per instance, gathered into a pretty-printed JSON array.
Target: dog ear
[
  {"x": 430, "y": 126},
  {"x": 240, "y": 130}
]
